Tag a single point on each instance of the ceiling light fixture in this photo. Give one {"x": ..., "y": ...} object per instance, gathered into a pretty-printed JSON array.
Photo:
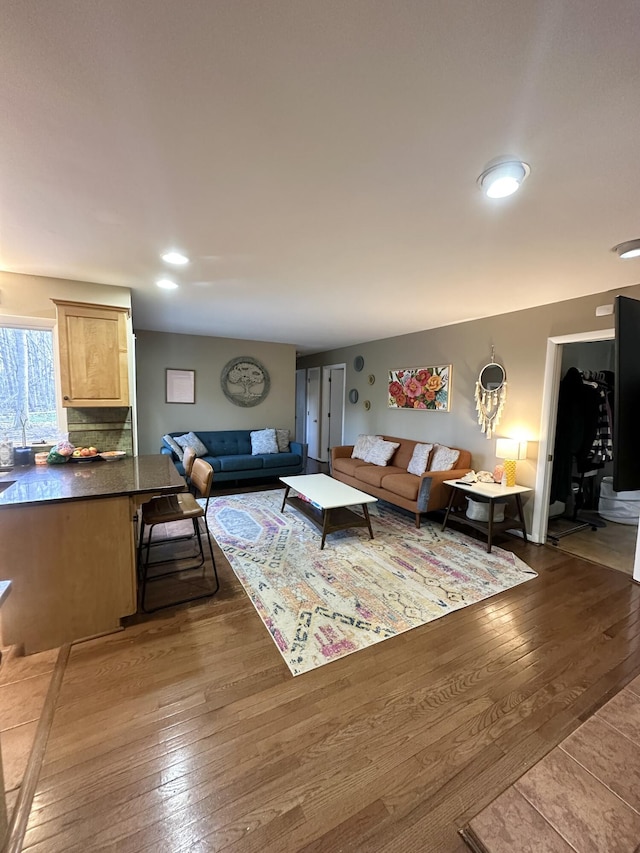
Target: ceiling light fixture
[
  {"x": 176, "y": 258},
  {"x": 630, "y": 249},
  {"x": 166, "y": 284},
  {"x": 503, "y": 178}
]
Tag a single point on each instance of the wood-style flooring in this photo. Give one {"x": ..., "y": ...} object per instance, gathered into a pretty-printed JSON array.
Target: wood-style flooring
[
  {"x": 613, "y": 545},
  {"x": 583, "y": 797},
  {"x": 186, "y": 731}
]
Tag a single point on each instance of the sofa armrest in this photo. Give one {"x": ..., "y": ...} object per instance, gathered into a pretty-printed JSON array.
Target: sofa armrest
[
  {"x": 301, "y": 449},
  {"x": 340, "y": 452},
  {"x": 432, "y": 493},
  {"x": 167, "y": 451}
]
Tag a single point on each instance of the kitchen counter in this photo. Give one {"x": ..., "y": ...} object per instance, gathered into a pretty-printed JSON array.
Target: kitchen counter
[
  {"x": 69, "y": 546},
  {"x": 71, "y": 481}
]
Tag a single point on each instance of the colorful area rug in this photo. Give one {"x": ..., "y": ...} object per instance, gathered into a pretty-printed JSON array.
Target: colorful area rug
[{"x": 321, "y": 605}]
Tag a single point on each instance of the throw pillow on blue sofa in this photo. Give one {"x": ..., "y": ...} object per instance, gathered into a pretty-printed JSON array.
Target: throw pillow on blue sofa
[
  {"x": 190, "y": 439},
  {"x": 263, "y": 441}
]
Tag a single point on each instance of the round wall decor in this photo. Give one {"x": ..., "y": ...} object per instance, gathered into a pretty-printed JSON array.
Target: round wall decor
[
  {"x": 353, "y": 395},
  {"x": 358, "y": 363},
  {"x": 367, "y": 404},
  {"x": 371, "y": 379},
  {"x": 245, "y": 381}
]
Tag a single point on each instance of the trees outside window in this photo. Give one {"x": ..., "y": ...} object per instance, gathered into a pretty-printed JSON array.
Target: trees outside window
[{"x": 27, "y": 384}]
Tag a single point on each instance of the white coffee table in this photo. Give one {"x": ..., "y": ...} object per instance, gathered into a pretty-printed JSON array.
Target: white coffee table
[{"x": 332, "y": 499}]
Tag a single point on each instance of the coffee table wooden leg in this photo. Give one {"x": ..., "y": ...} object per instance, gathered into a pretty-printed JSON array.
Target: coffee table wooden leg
[
  {"x": 365, "y": 510},
  {"x": 325, "y": 523},
  {"x": 284, "y": 499}
]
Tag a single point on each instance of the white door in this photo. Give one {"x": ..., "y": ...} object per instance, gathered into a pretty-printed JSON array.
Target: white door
[
  {"x": 336, "y": 408},
  {"x": 301, "y": 405},
  {"x": 313, "y": 412}
]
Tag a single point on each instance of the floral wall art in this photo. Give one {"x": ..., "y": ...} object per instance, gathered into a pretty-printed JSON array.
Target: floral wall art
[{"x": 421, "y": 388}]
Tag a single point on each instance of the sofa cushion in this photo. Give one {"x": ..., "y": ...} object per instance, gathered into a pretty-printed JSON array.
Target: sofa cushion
[
  {"x": 347, "y": 465},
  {"x": 280, "y": 460},
  {"x": 363, "y": 445},
  {"x": 381, "y": 451},
  {"x": 263, "y": 441},
  {"x": 282, "y": 439},
  {"x": 419, "y": 459},
  {"x": 240, "y": 462},
  {"x": 190, "y": 439},
  {"x": 444, "y": 458},
  {"x": 227, "y": 442},
  {"x": 374, "y": 474},
  {"x": 405, "y": 485},
  {"x": 173, "y": 445}
]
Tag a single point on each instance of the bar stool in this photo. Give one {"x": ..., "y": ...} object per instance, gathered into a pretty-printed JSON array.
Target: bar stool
[
  {"x": 168, "y": 510},
  {"x": 187, "y": 463}
]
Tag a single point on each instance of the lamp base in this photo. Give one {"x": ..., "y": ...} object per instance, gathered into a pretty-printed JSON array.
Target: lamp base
[{"x": 510, "y": 472}]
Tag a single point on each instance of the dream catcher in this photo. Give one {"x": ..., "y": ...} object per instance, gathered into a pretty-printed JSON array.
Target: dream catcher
[{"x": 491, "y": 393}]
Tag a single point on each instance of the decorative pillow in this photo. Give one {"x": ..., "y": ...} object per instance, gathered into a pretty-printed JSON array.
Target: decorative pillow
[
  {"x": 362, "y": 445},
  {"x": 419, "y": 459},
  {"x": 170, "y": 441},
  {"x": 282, "y": 440},
  {"x": 263, "y": 441},
  {"x": 444, "y": 458},
  {"x": 381, "y": 451},
  {"x": 190, "y": 439}
]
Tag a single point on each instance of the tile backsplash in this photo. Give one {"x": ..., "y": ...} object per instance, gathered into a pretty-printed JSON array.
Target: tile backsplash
[{"x": 104, "y": 428}]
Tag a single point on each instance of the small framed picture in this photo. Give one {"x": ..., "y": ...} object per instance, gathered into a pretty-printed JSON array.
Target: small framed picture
[{"x": 180, "y": 386}]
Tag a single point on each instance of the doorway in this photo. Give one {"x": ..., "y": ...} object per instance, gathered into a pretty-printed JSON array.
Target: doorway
[
  {"x": 607, "y": 542},
  {"x": 332, "y": 409},
  {"x": 313, "y": 412}
]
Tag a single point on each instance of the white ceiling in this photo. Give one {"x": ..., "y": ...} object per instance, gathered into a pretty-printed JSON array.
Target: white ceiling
[{"x": 317, "y": 159}]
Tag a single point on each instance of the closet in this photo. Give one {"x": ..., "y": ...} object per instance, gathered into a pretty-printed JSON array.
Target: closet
[{"x": 583, "y": 454}]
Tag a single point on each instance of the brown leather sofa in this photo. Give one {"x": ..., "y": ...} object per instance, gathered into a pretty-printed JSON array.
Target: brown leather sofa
[{"x": 393, "y": 483}]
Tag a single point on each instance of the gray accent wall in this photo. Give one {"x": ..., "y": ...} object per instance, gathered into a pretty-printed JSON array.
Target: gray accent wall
[
  {"x": 155, "y": 351},
  {"x": 520, "y": 341}
]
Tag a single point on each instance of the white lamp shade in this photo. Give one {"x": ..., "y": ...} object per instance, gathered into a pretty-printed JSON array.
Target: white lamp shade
[{"x": 510, "y": 448}]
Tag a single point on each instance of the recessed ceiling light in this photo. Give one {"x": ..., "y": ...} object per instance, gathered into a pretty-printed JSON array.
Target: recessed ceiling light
[
  {"x": 502, "y": 179},
  {"x": 630, "y": 249},
  {"x": 166, "y": 284},
  {"x": 176, "y": 258}
]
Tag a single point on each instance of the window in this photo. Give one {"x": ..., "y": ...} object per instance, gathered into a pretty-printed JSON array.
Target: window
[{"x": 28, "y": 406}]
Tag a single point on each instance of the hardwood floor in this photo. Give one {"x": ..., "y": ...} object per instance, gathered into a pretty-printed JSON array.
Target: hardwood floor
[
  {"x": 613, "y": 545},
  {"x": 186, "y": 732},
  {"x": 582, "y": 797}
]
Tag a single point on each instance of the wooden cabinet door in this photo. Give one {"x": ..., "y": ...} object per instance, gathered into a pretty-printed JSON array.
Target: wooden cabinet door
[{"x": 94, "y": 364}]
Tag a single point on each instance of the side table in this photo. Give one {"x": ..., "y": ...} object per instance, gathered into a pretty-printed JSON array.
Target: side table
[{"x": 492, "y": 492}]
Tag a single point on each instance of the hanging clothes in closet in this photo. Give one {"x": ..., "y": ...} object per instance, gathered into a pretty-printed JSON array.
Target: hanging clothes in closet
[{"x": 584, "y": 428}]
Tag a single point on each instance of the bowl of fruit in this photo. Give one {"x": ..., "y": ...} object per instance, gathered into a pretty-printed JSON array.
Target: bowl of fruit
[{"x": 84, "y": 454}]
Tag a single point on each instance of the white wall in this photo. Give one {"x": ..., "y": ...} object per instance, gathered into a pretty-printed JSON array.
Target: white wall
[{"x": 31, "y": 295}]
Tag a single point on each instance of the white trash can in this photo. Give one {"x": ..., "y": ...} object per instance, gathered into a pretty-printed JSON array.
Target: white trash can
[{"x": 620, "y": 507}]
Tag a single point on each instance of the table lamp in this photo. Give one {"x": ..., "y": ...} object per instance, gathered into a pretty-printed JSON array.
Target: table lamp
[{"x": 510, "y": 450}]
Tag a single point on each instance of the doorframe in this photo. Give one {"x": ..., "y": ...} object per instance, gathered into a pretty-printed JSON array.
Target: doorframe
[
  {"x": 324, "y": 398},
  {"x": 550, "y": 390}
]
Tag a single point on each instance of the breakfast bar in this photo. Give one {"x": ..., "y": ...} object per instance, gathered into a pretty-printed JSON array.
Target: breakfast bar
[{"x": 67, "y": 544}]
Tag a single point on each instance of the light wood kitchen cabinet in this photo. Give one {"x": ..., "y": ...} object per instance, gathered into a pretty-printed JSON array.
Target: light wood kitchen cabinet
[{"x": 94, "y": 362}]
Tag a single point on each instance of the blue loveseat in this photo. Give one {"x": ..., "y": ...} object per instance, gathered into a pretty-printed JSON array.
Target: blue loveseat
[{"x": 231, "y": 458}]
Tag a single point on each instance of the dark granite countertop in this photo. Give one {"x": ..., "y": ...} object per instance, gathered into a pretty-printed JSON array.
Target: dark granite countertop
[{"x": 89, "y": 480}]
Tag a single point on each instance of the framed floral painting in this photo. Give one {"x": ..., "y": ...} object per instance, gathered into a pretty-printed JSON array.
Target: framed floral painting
[{"x": 420, "y": 388}]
